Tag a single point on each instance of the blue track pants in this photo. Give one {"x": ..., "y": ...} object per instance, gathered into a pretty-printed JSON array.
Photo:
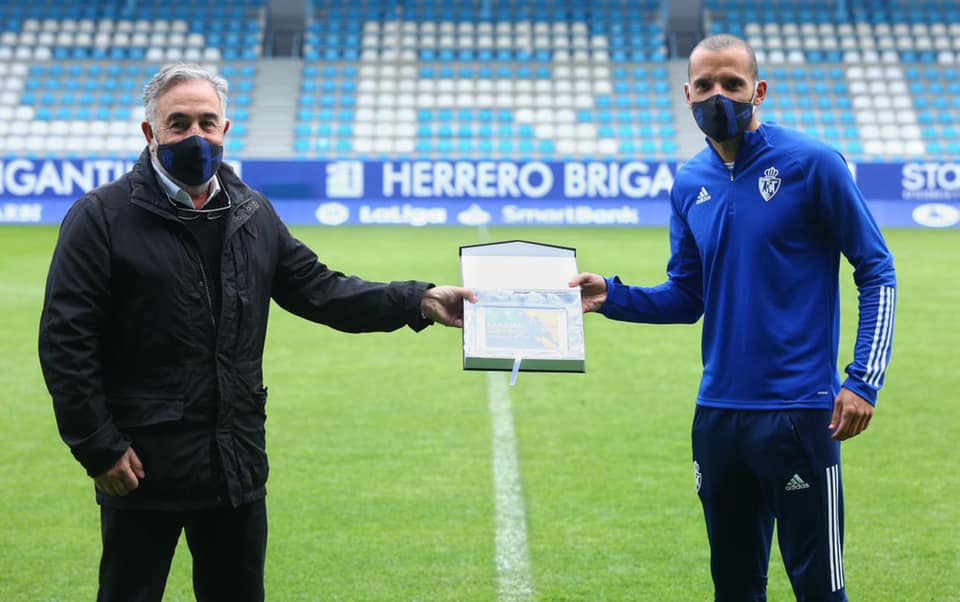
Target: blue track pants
[{"x": 755, "y": 469}]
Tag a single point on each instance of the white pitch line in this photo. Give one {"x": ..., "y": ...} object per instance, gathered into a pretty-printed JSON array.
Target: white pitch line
[{"x": 512, "y": 554}]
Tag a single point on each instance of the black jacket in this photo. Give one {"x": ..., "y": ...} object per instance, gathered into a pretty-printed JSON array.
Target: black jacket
[{"x": 133, "y": 355}]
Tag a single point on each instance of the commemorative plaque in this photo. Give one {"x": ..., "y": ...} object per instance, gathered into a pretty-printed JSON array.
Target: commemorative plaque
[{"x": 527, "y": 318}]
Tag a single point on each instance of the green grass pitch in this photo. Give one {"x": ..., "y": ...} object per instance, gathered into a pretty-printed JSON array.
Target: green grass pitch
[{"x": 381, "y": 485}]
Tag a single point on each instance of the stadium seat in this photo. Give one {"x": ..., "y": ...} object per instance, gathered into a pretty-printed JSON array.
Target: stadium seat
[{"x": 516, "y": 66}]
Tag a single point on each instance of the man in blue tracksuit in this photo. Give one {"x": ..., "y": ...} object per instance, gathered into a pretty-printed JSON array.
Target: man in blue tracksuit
[{"x": 759, "y": 220}]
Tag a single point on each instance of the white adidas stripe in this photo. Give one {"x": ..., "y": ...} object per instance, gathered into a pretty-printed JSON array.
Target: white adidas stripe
[
  {"x": 833, "y": 527},
  {"x": 882, "y": 336},
  {"x": 876, "y": 335},
  {"x": 887, "y": 337}
]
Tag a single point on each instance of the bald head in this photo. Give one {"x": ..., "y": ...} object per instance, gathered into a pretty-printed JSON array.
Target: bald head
[{"x": 722, "y": 42}]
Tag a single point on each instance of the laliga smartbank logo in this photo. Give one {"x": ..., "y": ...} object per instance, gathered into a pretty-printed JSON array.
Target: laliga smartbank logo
[{"x": 332, "y": 214}]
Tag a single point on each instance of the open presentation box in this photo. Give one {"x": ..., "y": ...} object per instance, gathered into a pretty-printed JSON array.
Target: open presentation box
[{"x": 527, "y": 317}]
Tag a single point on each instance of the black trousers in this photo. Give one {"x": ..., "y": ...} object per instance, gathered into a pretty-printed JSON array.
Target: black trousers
[{"x": 228, "y": 546}]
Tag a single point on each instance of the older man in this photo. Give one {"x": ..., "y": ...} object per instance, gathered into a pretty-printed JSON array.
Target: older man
[{"x": 151, "y": 343}]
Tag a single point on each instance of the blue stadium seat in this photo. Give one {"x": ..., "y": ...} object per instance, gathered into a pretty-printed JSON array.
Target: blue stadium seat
[
  {"x": 812, "y": 95},
  {"x": 669, "y": 146},
  {"x": 667, "y": 131}
]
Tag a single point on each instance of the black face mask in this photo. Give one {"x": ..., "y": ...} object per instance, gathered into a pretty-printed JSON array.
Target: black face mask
[
  {"x": 721, "y": 118},
  {"x": 192, "y": 161}
]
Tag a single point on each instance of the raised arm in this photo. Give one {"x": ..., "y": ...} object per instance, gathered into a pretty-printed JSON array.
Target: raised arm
[
  {"x": 306, "y": 287},
  {"x": 678, "y": 300}
]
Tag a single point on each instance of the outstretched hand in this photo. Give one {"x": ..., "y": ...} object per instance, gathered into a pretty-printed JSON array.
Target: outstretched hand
[
  {"x": 444, "y": 304},
  {"x": 593, "y": 290},
  {"x": 851, "y": 415}
]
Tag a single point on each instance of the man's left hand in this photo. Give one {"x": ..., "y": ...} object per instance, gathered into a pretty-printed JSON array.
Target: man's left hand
[
  {"x": 851, "y": 415},
  {"x": 444, "y": 304}
]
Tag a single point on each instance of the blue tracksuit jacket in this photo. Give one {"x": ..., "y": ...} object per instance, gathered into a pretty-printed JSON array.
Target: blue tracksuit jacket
[{"x": 756, "y": 251}]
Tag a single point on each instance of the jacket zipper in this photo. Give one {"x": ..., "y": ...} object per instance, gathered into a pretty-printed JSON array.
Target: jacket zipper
[
  {"x": 205, "y": 285},
  {"x": 731, "y": 207}
]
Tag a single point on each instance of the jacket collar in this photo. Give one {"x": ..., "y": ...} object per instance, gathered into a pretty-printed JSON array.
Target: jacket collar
[
  {"x": 147, "y": 193},
  {"x": 751, "y": 144}
]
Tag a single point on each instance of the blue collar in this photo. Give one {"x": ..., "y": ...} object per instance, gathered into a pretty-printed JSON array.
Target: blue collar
[{"x": 751, "y": 144}]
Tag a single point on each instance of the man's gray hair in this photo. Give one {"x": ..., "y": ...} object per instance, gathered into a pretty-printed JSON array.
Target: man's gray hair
[
  {"x": 722, "y": 41},
  {"x": 177, "y": 73}
]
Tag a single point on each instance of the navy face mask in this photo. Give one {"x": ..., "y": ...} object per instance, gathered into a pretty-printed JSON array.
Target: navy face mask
[
  {"x": 192, "y": 161},
  {"x": 721, "y": 118}
]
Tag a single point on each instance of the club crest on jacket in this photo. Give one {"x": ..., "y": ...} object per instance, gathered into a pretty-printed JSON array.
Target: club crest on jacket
[{"x": 769, "y": 183}]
